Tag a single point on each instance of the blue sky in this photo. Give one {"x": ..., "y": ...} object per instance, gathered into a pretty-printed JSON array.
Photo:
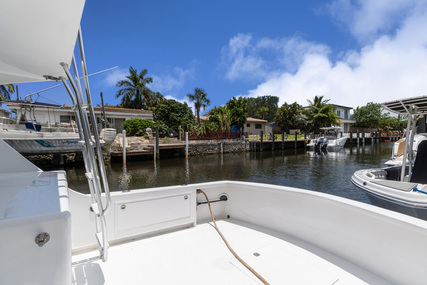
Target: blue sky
[{"x": 350, "y": 51}]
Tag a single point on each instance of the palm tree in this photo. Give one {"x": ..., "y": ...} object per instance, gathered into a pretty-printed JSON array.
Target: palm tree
[
  {"x": 321, "y": 113},
  {"x": 200, "y": 101},
  {"x": 317, "y": 101},
  {"x": 263, "y": 111},
  {"x": 135, "y": 93},
  {"x": 221, "y": 115},
  {"x": 5, "y": 91}
]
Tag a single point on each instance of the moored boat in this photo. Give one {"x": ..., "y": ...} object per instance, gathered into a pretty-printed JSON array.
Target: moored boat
[
  {"x": 402, "y": 187},
  {"x": 330, "y": 140}
]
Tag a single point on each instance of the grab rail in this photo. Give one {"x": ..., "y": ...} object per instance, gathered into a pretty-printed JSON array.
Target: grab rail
[{"x": 94, "y": 163}]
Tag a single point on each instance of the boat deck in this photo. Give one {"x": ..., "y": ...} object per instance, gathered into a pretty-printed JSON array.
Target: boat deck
[{"x": 199, "y": 256}]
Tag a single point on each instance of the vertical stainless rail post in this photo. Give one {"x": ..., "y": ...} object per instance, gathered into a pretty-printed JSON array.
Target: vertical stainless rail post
[
  {"x": 124, "y": 146},
  {"x": 186, "y": 145},
  {"x": 408, "y": 128},
  {"x": 94, "y": 164},
  {"x": 103, "y": 209},
  {"x": 100, "y": 156}
]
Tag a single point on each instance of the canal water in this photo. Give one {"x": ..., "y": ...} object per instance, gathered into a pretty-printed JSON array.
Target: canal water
[{"x": 323, "y": 172}]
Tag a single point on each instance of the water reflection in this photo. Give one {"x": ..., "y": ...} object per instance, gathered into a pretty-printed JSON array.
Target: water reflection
[
  {"x": 124, "y": 179},
  {"x": 327, "y": 172}
]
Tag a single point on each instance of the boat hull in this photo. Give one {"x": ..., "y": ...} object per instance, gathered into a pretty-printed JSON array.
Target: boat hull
[
  {"x": 332, "y": 144},
  {"x": 406, "y": 200}
]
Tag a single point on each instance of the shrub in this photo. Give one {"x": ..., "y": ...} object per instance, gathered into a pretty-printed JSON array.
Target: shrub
[{"x": 136, "y": 127}]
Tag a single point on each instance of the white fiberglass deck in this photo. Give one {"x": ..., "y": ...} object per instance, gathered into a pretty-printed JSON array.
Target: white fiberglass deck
[{"x": 199, "y": 256}]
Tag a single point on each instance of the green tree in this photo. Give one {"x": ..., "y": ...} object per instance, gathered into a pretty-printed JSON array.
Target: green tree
[
  {"x": 152, "y": 99},
  {"x": 321, "y": 114},
  {"x": 263, "y": 107},
  {"x": 238, "y": 108},
  {"x": 5, "y": 91},
  {"x": 134, "y": 91},
  {"x": 173, "y": 114},
  {"x": 318, "y": 101},
  {"x": 368, "y": 116},
  {"x": 200, "y": 101},
  {"x": 137, "y": 126},
  {"x": 289, "y": 116},
  {"x": 222, "y": 116}
]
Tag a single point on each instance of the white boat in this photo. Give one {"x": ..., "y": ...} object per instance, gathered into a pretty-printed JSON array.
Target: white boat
[
  {"x": 29, "y": 137},
  {"x": 399, "y": 148},
  {"x": 329, "y": 140},
  {"x": 54, "y": 235},
  {"x": 402, "y": 187}
]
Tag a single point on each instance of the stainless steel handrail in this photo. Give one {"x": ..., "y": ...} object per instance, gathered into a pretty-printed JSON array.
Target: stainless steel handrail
[{"x": 94, "y": 163}]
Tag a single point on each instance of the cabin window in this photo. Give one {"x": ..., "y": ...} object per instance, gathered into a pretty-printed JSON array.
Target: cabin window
[
  {"x": 257, "y": 126},
  {"x": 248, "y": 125},
  {"x": 339, "y": 113}
]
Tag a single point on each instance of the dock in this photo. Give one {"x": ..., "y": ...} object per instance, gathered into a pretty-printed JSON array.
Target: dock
[{"x": 146, "y": 149}]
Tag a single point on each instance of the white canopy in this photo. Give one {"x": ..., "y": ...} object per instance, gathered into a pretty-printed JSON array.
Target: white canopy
[
  {"x": 402, "y": 106},
  {"x": 36, "y": 36}
]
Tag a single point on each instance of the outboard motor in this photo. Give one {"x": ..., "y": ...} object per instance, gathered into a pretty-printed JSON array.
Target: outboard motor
[
  {"x": 318, "y": 144},
  {"x": 325, "y": 144},
  {"x": 321, "y": 144}
]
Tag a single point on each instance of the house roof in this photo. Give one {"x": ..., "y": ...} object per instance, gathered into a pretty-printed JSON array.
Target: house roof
[
  {"x": 341, "y": 106},
  {"x": 255, "y": 120},
  {"x": 335, "y": 105}
]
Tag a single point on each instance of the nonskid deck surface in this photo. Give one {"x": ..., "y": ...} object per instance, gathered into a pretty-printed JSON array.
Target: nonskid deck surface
[{"x": 199, "y": 256}]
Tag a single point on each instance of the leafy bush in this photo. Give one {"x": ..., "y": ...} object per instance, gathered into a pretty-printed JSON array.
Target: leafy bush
[
  {"x": 136, "y": 127},
  {"x": 173, "y": 114}
]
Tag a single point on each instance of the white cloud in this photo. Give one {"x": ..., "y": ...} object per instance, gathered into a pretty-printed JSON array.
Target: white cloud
[
  {"x": 366, "y": 19},
  {"x": 242, "y": 58},
  {"x": 390, "y": 67},
  {"x": 248, "y": 59},
  {"x": 171, "y": 80},
  {"x": 114, "y": 76}
]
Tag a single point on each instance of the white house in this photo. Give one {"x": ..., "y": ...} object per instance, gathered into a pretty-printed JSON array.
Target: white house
[
  {"x": 345, "y": 118},
  {"x": 254, "y": 126},
  {"x": 51, "y": 116}
]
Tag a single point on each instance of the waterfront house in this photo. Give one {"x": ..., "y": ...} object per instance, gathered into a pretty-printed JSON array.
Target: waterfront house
[
  {"x": 57, "y": 116},
  {"x": 345, "y": 119},
  {"x": 254, "y": 126}
]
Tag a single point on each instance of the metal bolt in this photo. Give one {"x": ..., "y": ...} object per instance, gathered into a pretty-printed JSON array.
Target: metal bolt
[
  {"x": 123, "y": 207},
  {"x": 186, "y": 197},
  {"x": 42, "y": 238}
]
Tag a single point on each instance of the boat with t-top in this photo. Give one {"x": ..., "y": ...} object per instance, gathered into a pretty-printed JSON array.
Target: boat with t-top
[
  {"x": 401, "y": 187},
  {"x": 329, "y": 140}
]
